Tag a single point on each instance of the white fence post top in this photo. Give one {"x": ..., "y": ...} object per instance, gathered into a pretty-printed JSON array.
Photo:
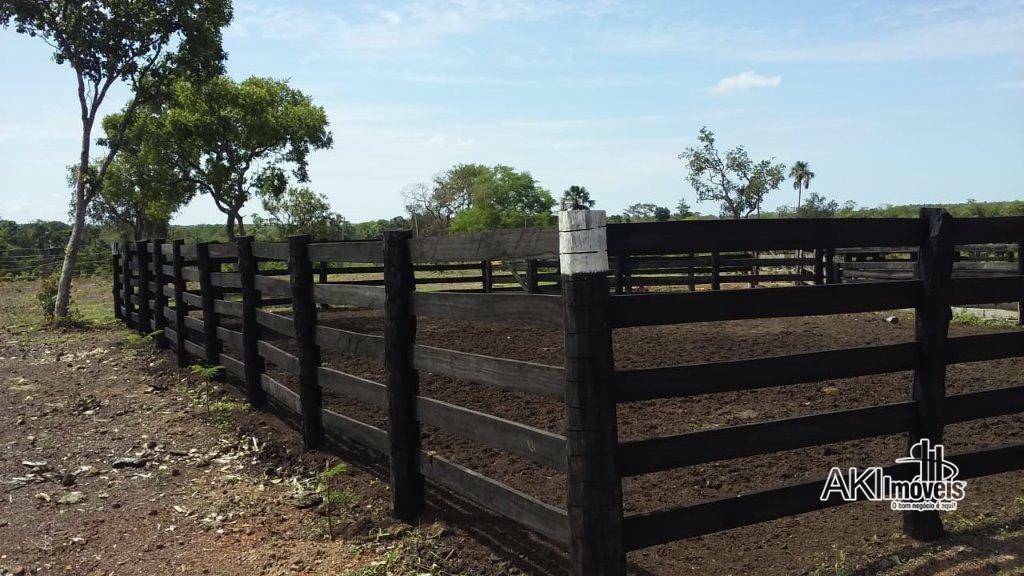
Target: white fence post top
[{"x": 582, "y": 242}]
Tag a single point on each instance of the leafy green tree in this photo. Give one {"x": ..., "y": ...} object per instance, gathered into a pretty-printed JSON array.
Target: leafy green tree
[
  {"x": 234, "y": 140},
  {"x": 683, "y": 210},
  {"x": 505, "y": 198},
  {"x": 733, "y": 179},
  {"x": 576, "y": 198},
  {"x": 143, "y": 43},
  {"x": 646, "y": 212},
  {"x": 301, "y": 211},
  {"x": 802, "y": 176},
  {"x": 139, "y": 192},
  {"x": 431, "y": 208}
]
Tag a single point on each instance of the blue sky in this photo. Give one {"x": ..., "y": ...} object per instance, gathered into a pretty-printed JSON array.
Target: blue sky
[{"x": 889, "y": 102}]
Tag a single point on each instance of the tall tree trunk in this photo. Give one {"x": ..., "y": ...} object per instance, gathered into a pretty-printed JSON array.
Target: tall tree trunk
[
  {"x": 67, "y": 270},
  {"x": 230, "y": 226},
  {"x": 241, "y": 225}
]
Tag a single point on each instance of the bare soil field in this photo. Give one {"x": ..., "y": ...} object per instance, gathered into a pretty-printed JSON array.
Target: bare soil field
[{"x": 82, "y": 398}]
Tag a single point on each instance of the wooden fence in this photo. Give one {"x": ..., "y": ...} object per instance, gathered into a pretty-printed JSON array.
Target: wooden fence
[{"x": 158, "y": 284}]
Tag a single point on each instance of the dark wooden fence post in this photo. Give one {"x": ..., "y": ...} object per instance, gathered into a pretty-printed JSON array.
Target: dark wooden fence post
[
  {"x": 934, "y": 268},
  {"x": 690, "y": 272},
  {"x": 594, "y": 491},
  {"x": 1020, "y": 272},
  {"x": 145, "y": 297},
  {"x": 716, "y": 271},
  {"x": 407, "y": 496},
  {"x": 621, "y": 272},
  {"x": 208, "y": 293},
  {"x": 819, "y": 270},
  {"x": 126, "y": 279},
  {"x": 248, "y": 268},
  {"x": 532, "y": 284},
  {"x": 830, "y": 266},
  {"x": 118, "y": 274},
  {"x": 180, "y": 307},
  {"x": 159, "y": 297},
  {"x": 487, "y": 270},
  {"x": 304, "y": 315}
]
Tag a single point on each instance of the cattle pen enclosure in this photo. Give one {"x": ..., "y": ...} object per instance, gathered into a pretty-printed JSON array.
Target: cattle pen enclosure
[{"x": 376, "y": 363}]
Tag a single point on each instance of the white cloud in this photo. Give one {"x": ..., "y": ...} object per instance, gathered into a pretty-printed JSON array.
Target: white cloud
[
  {"x": 445, "y": 141},
  {"x": 745, "y": 81}
]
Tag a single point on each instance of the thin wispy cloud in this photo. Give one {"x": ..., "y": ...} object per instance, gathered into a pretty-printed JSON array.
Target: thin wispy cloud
[{"x": 745, "y": 81}]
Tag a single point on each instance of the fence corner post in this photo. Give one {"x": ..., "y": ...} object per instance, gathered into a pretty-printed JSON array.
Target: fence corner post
[
  {"x": 145, "y": 297},
  {"x": 180, "y": 307},
  {"x": 407, "y": 495},
  {"x": 594, "y": 489},
  {"x": 304, "y": 315},
  {"x": 159, "y": 297},
  {"x": 716, "y": 270},
  {"x": 254, "y": 365},
  {"x": 934, "y": 268}
]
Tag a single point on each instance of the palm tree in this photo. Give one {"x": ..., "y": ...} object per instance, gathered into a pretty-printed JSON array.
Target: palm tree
[
  {"x": 576, "y": 198},
  {"x": 802, "y": 176}
]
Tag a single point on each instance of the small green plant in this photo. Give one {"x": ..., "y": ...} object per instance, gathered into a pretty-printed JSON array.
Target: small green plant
[
  {"x": 835, "y": 567},
  {"x": 335, "y": 497},
  {"x": 46, "y": 296},
  {"x": 140, "y": 341},
  {"x": 969, "y": 318},
  {"x": 207, "y": 374}
]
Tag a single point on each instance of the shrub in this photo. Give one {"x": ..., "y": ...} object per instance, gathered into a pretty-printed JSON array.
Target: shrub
[{"x": 46, "y": 296}]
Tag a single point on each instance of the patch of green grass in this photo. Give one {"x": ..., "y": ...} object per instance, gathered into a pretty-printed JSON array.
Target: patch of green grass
[
  {"x": 836, "y": 566},
  {"x": 971, "y": 319}
]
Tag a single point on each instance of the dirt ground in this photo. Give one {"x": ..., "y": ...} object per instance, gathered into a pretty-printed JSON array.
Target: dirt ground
[{"x": 225, "y": 490}]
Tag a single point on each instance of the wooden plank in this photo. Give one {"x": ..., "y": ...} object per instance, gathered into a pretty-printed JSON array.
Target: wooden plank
[
  {"x": 373, "y": 393},
  {"x": 1003, "y": 229},
  {"x": 540, "y": 310},
  {"x": 980, "y": 347},
  {"x": 655, "y": 454},
  {"x": 281, "y": 393},
  {"x": 192, "y": 299},
  {"x": 188, "y": 251},
  {"x": 281, "y": 324},
  {"x": 190, "y": 274},
  {"x": 497, "y": 498},
  {"x": 773, "y": 234},
  {"x": 228, "y": 308},
  {"x": 278, "y": 357},
  {"x": 350, "y": 343},
  {"x": 195, "y": 349},
  {"x": 223, "y": 250},
  {"x": 987, "y": 290},
  {"x": 526, "y": 377},
  {"x": 270, "y": 286},
  {"x": 351, "y": 429},
  {"x": 493, "y": 245},
  {"x": 766, "y": 372},
  {"x": 230, "y": 336},
  {"x": 676, "y": 308},
  {"x": 270, "y": 250},
  {"x": 350, "y": 295},
  {"x": 193, "y": 323},
  {"x": 363, "y": 252},
  {"x": 984, "y": 404},
  {"x": 226, "y": 279},
  {"x": 233, "y": 366},
  {"x": 538, "y": 445}
]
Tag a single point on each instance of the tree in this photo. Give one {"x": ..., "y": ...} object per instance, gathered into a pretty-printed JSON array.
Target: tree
[
  {"x": 802, "y": 176},
  {"x": 576, "y": 198},
  {"x": 735, "y": 181},
  {"x": 301, "y": 211},
  {"x": 234, "y": 140},
  {"x": 139, "y": 191},
  {"x": 432, "y": 208},
  {"x": 683, "y": 210},
  {"x": 504, "y": 198},
  {"x": 141, "y": 42},
  {"x": 646, "y": 212},
  {"x": 817, "y": 206}
]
